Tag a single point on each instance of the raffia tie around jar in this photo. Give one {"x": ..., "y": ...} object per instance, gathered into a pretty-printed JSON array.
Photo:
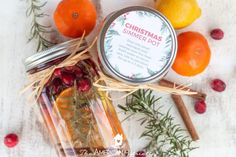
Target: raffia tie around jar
[
  {"x": 104, "y": 83},
  {"x": 108, "y": 84}
]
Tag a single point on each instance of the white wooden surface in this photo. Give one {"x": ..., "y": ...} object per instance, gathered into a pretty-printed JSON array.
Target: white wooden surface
[{"x": 217, "y": 128}]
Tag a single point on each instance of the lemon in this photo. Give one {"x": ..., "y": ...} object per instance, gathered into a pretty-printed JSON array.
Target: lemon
[{"x": 181, "y": 13}]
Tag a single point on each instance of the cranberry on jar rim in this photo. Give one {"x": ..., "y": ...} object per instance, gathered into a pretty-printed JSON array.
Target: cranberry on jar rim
[{"x": 137, "y": 45}]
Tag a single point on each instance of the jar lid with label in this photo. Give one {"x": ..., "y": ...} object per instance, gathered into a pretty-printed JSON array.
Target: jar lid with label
[{"x": 137, "y": 45}]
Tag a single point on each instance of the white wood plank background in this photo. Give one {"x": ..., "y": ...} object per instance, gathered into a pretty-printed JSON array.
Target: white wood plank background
[{"x": 217, "y": 128}]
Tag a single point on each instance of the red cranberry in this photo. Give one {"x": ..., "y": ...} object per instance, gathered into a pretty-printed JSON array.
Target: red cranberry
[
  {"x": 57, "y": 72},
  {"x": 84, "y": 85},
  {"x": 200, "y": 107},
  {"x": 140, "y": 154},
  {"x": 78, "y": 72},
  {"x": 70, "y": 69},
  {"x": 218, "y": 85},
  {"x": 11, "y": 140},
  {"x": 68, "y": 79},
  {"x": 56, "y": 86},
  {"x": 217, "y": 34}
]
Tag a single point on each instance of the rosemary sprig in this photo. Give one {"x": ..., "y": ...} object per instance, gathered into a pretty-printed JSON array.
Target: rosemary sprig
[
  {"x": 167, "y": 139},
  {"x": 83, "y": 121},
  {"x": 38, "y": 30}
]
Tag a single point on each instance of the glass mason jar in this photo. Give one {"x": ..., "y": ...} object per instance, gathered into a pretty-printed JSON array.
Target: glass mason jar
[{"x": 81, "y": 120}]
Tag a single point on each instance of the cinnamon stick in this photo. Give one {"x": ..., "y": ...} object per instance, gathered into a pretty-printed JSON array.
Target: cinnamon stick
[
  {"x": 185, "y": 116},
  {"x": 199, "y": 95}
]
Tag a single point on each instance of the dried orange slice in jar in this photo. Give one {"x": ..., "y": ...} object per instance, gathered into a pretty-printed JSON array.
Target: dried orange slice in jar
[{"x": 78, "y": 117}]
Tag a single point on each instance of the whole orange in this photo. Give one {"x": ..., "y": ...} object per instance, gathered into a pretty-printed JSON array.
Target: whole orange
[
  {"x": 193, "y": 54},
  {"x": 74, "y": 17}
]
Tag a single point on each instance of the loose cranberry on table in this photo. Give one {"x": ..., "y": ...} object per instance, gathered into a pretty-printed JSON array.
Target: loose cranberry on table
[
  {"x": 218, "y": 85},
  {"x": 200, "y": 107},
  {"x": 217, "y": 34},
  {"x": 140, "y": 154},
  {"x": 11, "y": 140}
]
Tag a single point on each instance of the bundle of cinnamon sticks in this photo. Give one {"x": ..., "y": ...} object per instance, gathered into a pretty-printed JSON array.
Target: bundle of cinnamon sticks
[{"x": 182, "y": 108}]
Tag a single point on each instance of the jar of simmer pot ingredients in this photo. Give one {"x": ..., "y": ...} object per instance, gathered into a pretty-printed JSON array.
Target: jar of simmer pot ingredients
[
  {"x": 136, "y": 45},
  {"x": 81, "y": 120}
]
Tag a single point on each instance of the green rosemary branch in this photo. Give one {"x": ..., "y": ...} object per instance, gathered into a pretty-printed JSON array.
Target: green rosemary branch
[
  {"x": 38, "y": 30},
  {"x": 167, "y": 139}
]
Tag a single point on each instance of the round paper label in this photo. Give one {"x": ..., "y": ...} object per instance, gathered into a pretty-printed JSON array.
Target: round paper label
[{"x": 138, "y": 44}]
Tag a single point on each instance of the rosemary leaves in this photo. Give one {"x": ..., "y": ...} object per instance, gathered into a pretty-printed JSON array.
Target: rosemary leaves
[
  {"x": 38, "y": 30},
  {"x": 167, "y": 139}
]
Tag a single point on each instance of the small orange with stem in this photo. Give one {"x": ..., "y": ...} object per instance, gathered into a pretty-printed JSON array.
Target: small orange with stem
[{"x": 74, "y": 17}]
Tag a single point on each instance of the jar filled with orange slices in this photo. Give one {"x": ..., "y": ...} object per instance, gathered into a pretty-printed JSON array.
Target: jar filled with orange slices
[{"x": 81, "y": 120}]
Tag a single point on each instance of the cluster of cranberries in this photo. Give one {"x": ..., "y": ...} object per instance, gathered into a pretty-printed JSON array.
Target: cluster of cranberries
[
  {"x": 68, "y": 77},
  {"x": 216, "y": 84}
]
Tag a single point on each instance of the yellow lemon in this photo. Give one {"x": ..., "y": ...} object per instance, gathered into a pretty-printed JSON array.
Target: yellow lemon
[{"x": 181, "y": 13}]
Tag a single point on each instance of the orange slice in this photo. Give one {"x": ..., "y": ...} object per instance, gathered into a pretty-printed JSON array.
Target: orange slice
[
  {"x": 64, "y": 103},
  {"x": 65, "y": 108}
]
